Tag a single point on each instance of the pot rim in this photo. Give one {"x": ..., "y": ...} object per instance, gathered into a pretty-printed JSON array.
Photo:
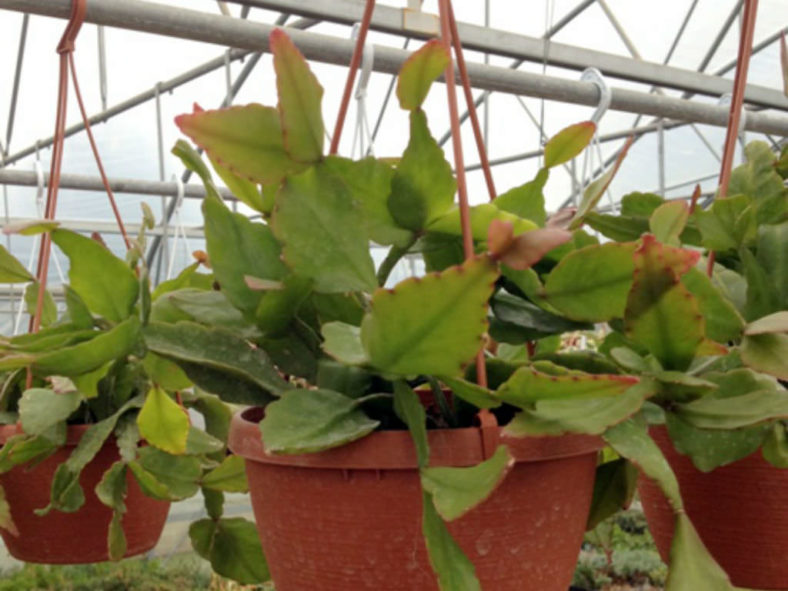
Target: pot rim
[
  {"x": 394, "y": 450},
  {"x": 73, "y": 433}
]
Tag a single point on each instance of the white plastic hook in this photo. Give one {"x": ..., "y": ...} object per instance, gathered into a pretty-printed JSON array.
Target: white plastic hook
[
  {"x": 39, "y": 181},
  {"x": 594, "y": 76},
  {"x": 367, "y": 61},
  {"x": 180, "y": 191}
]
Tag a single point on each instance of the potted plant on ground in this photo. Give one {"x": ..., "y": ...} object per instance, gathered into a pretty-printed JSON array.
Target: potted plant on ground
[
  {"x": 717, "y": 356},
  {"x": 95, "y": 447},
  {"x": 338, "y": 366}
]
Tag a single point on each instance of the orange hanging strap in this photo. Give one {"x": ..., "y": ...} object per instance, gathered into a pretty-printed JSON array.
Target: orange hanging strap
[{"x": 737, "y": 102}]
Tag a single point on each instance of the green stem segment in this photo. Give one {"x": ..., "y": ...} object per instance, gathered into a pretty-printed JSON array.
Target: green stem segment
[
  {"x": 440, "y": 397},
  {"x": 392, "y": 258}
]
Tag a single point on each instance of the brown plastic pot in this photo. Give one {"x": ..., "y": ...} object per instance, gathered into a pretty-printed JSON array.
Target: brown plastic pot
[
  {"x": 350, "y": 517},
  {"x": 739, "y": 510},
  {"x": 79, "y": 537}
]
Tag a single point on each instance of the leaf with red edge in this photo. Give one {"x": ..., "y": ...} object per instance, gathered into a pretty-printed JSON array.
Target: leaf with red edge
[
  {"x": 529, "y": 248},
  {"x": 595, "y": 190},
  {"x": 419, "y": 72},
  {"x": 668, "y": 221},
  {"x": 661, "y": 314},
  {"x": 300, "y": 96},
  {"x": 247, "y": 140},
  {"x": 568, "y": 143}
]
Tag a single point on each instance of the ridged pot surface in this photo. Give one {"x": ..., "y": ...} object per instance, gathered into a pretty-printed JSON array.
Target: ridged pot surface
[
  {"x": 79, "y": 537},
  {"x": 350, "y": 517},
  {"x": 739, "y": 510}
]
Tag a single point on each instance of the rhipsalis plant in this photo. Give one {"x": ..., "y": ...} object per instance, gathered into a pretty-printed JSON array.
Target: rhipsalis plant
[{"x": 305, "y": 325}]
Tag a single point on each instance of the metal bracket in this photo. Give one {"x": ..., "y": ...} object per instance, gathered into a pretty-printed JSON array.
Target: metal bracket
[{"x": 594, "y": 76}]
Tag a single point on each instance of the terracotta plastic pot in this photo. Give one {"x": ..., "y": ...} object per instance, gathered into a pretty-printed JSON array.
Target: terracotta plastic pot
[
  {"x": 79, "y": 537},
  {"x": 350, "y": 517},
  {"x": 739, "y": 510}
]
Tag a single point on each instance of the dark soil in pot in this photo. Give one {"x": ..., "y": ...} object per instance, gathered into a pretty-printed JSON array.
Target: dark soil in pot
[
  {"x": 79, "y": 537},
  {"x": 350, "y": 517}
]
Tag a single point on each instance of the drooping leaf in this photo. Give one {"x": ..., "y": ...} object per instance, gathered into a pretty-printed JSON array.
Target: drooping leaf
[
  {"x": 734, "y": 412},
  {"x": 723, "y": 321},
  {"x": 306, "y": 421},
  {"x": 232, "y": 546},
  {"x": 83, "y": 357},
  {"x": 668, "y": 221},
  {"x": 369, "y": 182},
  {"x": 217, "y": 350},
  {"x": 247, "y": 140},
  {"x": 239, "y": 247},
  {"x": 691, "y": 565},
  {"x": 527, "y": 200},
  {"x": 418, "y": 73},
  {"x": 455, "y": 572},
  {"x": 614, "y": 488},
  {"x": 596, "y": 189},
  {"x": 568, "y": 143},
  {"x": 104, "y": 282},
  {"x": 528, "y": 385},
  {"x": 423, "y": 185},
  {"x": 591, "y": 284},
  {"x": 177, "y": 476},
  {"x": 41, "y": 408},
  {"x": 455, "y": 491},
  {"x": 431, "y": 325},
  {"x": 773, "y": 323},
  {"x": 767, "y": 353},
  {"x": 317, "y": 222},
  {"x": 661, "y": 314},
  {"x": 11, "y": 270},
  {"x": 343, "y": 342},
  {"x": 163, "y": 423},
  {"x": 111, "y": 491},
  {"x": 410, "y": 411},
  {"x": 229, "y": 476},
  {"x": 300, "y": 95},
  {"x": 472, "y": 393}
]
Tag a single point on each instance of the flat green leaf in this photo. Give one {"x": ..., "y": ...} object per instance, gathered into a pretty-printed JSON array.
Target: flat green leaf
[
  {"x": 317, "y": 222},
  {"x": 568, "y": 143},
  {"x": 596, "y": 189},
  {"x": 104, "y": 282},
  {"x": 723, "y": 321},
  {"x": 83, "y": 357},
  {"x": 410, "y": 411},
  {"x": 232, "y": 546},
  {"x": 591, "y": 284},
  {"x": 589, "y": 416},
  {"x": 767, "y": 353},
  {"x": 614, "y": 488},
  {"x": 691, "y": 565},
  {"x": 736, "y": 411},
  {"x": 777, "y": 322},
  {"x": 455, "y": 491},
  {"x": 165, "y": 373},
  {"x": 350, "y": 380},
  {"x": 11, "y": 270},
  {"x": 198, "y": 442},
  {"x": 116, "y": 538},
  {"x": 661, "y": 314},
  {"x": 528, "y": 385},
  {"x": 111, "y": 491},
  {"x": 41, "y": 408},
  {"x": 455, "y": 572},
  {"x": 149, "y": 484},
  {"x": 217, "y": 350},
  {"x": 78, "y": 311},
  {"x": 728, "y": 224},
  {"x": 229, "y": 476},
  {"x": 163, "y": 423},
  {"x": 431, "y": 325},
  {"x": 278, "y": 307},
  {"x": 668, "y": 221},
  {"x": 773, "y": 255},
  {"x": 527, "y": 200},
  {"x": 762, "y": 295},
  {"x": 585, "y": 360},
  {"x": 418, "y": 73},
  {"x": 423, "y": 186},
  {"x": 631, "y": 440},
  {"x": 179, "y": 475},
  {"x": 211, "y": 308},
  {"x": 244, "y": 189},
  {"x": 759, "y": 179},
  {"x": 48, "y": 310},
  {"x": 300, "y": 95},
  {"x": 369, "y": 182},
  {"x": 472, "y": 393},
  {"x": 239, "y": 247},
  {"x": 623, "y": 228},
  {"x": 481, "y": 218},
  {"x": 307, "y": 421},
  {"x": 640, "y": 204},
  {"x": 775, "y": 448},
  {"x": 6, "y": 521},
  {"x": 127, "y": 437},
  {"x": 711, "y": 448},
  {"x": 517, "y": 320},
  {"x": 247, "y": 140},
  {"x": 343, "y": 342}
]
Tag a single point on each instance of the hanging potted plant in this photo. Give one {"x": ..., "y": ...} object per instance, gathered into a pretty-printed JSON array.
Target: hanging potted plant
[
  {"x": 720, "y": 419},
  {"x": 94, "y": 446},
  {"x": 337, "y": 367}
]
